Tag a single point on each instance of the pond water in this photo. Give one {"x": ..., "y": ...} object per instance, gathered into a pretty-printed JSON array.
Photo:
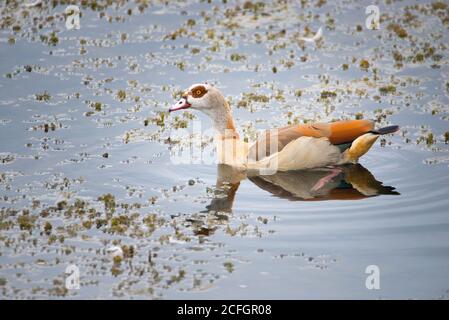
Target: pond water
[{"x": 87, "y": 151}]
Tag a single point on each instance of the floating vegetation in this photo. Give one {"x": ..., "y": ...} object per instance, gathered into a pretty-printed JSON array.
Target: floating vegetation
[
  {"x": 179, "y": 123},
  {"x": 6, "y": 158},
  {"x": 439, "y": 5},
  {"x": 48, "y": 228},
  {"x": 97, "y": 106},
  {"x": 430, "y": 139},
  {"x": 109, "y": 202},
  {"x": 389, "y": 89},
  {"x": 398, "y": 30},
  {"x": 121, "y": 95},
  {"x": 364, "y": 64},
  {"x": 325, "y": 94},
  {"x": 159, "y": 120},
  {"x": 237, "y": 57},
  {"x": 229, "y": 266},
  {"x": 250, "y": 97},
  {"x": 26, "y": 221},
  {"x": 44, "y": 96}
]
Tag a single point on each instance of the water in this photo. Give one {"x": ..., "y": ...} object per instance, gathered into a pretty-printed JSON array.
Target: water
[{"x": 62, "y": 154}]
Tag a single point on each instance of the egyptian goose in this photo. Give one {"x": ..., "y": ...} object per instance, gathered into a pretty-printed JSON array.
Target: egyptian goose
[{"x": 294, "y": 147}]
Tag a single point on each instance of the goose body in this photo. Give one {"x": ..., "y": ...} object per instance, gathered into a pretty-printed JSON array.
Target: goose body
[{"x": 294, "y": 147}]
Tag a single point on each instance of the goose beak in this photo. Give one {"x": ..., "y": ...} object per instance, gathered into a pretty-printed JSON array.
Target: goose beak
[{"x": 181, "y": 104}]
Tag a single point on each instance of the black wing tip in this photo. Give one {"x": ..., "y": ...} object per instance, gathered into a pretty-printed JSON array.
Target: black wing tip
[
  {"x": 388, "y": 190},
  {"x": 386, "y": 130}
]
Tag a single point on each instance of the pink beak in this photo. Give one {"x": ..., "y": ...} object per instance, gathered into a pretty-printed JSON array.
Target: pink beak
[{"x": 181, "y": 104}]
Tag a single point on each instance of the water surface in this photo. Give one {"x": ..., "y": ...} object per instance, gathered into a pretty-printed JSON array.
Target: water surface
[{"x": 86, "y": 151}]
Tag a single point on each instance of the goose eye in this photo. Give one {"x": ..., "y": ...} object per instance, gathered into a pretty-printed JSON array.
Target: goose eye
[{"x": 198, "y": 92}]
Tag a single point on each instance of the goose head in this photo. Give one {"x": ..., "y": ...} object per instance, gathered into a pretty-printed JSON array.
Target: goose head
[{"x": 209, "y": 100}]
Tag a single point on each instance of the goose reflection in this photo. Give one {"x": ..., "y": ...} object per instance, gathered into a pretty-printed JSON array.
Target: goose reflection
[{"x": 349, "y": 182}]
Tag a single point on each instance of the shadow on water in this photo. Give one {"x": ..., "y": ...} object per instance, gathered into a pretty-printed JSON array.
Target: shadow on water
[{"x": 349, "y": 182}]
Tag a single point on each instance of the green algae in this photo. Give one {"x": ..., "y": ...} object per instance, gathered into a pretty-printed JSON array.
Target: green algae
[
  {"x": 398, "y": 30},
  {"x": 388, "y": 89},
  {"x": 109, "y": 202},
  {"x": 325, "y": 94},
  {"x": 48, "y": 228},
  {"x": 44, "y": 96},
  {"x": 229, "y": 266},
  {"x": 26, "y": 221},
  {"x": 121, "y": 95},
  {"x": 364, "y": 64}
]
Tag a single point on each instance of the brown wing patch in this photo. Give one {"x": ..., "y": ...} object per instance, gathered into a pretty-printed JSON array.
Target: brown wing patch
[
  {"x": 262, "y": 147},
  {"x": 337, "y": 132},
  {"x": 348, "y": 131},
  {"x": 316, "y": 130}
]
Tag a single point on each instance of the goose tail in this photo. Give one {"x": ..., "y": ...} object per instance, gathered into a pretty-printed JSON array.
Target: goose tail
[{"x": 385, "y": 130}]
